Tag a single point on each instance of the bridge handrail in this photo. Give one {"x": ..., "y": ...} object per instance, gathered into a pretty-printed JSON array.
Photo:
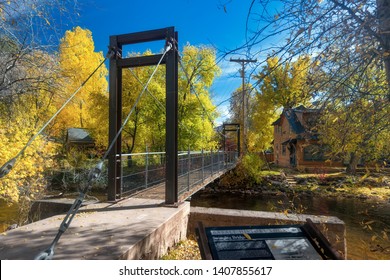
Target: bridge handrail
[
  {"x": 145, "y": 171},
  {"x": 179, "y": 153}
]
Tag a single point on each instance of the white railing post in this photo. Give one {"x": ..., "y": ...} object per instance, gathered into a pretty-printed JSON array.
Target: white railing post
[
  {"x": 119, "y": 159},
  {"x": 146, "y": 166},
  {"x": 188, "y": 168},
  {"x": 202, "y": 166},
  {"x": 219, "y": 160},
  {"x": 212, "y": 163}
]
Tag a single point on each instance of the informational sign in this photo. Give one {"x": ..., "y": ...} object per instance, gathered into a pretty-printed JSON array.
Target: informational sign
[{"x": 261, "y": 242}]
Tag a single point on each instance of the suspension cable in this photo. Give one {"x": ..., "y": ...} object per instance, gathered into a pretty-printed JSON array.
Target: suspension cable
[
  {"x": 159, "y": 104},
  {"x": 7, "y": 167},
  {"x": 167, "y": 48},
  {"x": 94, "y": 174},
  {"x": 197, "y": 96}
]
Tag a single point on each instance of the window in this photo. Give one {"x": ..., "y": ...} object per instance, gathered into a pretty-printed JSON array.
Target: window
[
  {"x": 311, "y": 120},
  {"x": 314, "y": 153},
  {"x": 284, "y": 150}
]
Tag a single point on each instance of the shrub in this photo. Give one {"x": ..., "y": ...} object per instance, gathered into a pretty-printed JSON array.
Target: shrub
[
  {"x": 247, "y": 173},
  {"x": 253, "y": 166}
]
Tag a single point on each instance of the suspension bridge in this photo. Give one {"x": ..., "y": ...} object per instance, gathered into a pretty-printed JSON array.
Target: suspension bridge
[{"x": 155, "y": 215}]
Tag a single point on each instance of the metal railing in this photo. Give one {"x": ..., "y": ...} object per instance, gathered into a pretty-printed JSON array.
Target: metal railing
[
  {"x": 194, "y": 167},
  {"x": 145, "y": 170}
]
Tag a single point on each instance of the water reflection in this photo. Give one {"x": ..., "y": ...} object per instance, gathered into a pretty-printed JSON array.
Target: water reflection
[{"x": 8, "y": 214}]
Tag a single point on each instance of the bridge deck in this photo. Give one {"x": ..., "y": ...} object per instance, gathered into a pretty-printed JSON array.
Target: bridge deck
[{"x": 158, "y": 192}]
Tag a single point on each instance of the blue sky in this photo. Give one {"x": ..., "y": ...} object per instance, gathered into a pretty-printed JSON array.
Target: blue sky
[{"x": 198, "y": 22}]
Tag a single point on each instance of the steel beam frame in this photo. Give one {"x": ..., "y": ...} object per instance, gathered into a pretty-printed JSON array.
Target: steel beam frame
[
  {"x": 117, "y": 63},
  {"x": 237, "y": 130}
]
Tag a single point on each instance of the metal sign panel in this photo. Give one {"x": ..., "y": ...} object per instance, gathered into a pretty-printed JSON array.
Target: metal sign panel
[{"x": 261, "y": 243}]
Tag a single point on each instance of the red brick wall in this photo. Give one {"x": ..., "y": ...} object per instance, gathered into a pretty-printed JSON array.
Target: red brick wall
[{"x": 282, "y": 133}]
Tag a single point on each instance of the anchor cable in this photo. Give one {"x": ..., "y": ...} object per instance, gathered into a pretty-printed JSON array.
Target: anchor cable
[
  {"x": 197, "y": 96},
  {"x": 7, "y": 167},
  {"x": 167, "y": 48},
  {"x": 158, "y": 103}
]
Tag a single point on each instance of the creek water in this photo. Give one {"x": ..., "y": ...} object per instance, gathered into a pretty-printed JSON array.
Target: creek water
[
  {"x": 8, "y": 215},
  {"x": 363, "y": 219}
]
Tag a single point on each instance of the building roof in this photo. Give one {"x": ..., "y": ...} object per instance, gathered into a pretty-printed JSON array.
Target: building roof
[
  {"x": 294, "y": 122},
  {"x": 303, "y": 109},
  {"x": 277, "y": 122},
  {"x": 79, "y": 135},
  {"x": 292, "y": 118}
]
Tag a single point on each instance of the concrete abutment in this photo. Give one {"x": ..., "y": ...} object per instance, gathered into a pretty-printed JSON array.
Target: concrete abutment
[{"x": 141, "y": 229}]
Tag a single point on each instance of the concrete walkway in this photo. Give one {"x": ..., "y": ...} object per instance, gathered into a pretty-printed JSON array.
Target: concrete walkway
[{"x": 134, "y": 228}]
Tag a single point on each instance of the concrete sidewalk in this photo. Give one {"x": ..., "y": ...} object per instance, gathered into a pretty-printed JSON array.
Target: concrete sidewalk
[{"x": 134, "y": 228}]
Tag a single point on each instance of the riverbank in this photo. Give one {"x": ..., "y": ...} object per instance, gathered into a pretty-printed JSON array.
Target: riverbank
[
  {"x": 299, "y": 190},
  {"x": 373, "y": 186}
]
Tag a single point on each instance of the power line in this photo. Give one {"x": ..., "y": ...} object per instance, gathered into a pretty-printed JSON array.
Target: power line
[
  {"x": 243, "y": 62},
  {"x": 197, "y": 96}
]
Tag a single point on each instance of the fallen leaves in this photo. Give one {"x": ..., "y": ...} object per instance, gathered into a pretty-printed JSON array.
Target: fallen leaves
[{"x": 184, "y": 250}]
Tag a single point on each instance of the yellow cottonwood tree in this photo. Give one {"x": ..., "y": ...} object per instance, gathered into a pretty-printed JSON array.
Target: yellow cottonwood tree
[
  {"x": 27, "y": 178},
  {"x": 78, "y": 60},
  {"x": 281, "y": 85},
  {"x": 285, "y": 83},
  {"x": 19, "y": 121},
  {"x": 262, "y": 115}
]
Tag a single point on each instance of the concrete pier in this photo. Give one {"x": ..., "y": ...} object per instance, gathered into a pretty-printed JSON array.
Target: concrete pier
[
  {"x": 131, "y": 229},
  {"x": 141, "y": 228}
]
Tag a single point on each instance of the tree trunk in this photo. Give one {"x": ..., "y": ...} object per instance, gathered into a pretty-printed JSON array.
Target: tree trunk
[
  {"x": 353, "y": 162},
  {"x": 129, "y": 150},
  {"x": 129, "y": 161},
  {"x": 266, "y": 160},
  {"x": 81, "y": 114},
  {"x": 383, "y": 14}
]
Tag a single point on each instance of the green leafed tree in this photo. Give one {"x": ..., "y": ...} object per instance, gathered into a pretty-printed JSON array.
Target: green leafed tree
[
  {"x": 355, "y": 122},
  {"x": 196, "y": 110},
  {"x": 146, "y": 126}
]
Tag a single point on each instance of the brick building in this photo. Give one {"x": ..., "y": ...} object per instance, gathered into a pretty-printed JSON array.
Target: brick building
[{"x": 296, "y": 140}]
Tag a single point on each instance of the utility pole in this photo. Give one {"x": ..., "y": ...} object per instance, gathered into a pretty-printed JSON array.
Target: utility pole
[{"x": 244, "y": 99}]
